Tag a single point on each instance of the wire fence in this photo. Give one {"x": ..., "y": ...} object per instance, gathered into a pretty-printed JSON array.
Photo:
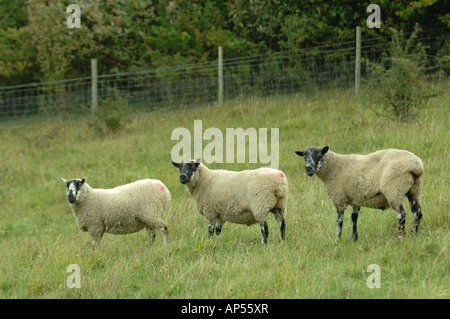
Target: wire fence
[{"x": 194, "y": 84}]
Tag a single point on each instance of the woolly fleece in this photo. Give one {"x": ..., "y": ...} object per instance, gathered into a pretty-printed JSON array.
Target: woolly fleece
[{"x": 122, "y": 210}]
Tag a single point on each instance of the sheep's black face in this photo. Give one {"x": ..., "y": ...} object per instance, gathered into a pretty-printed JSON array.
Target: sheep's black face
[
  {"x": 187, "y": 169},
  {"x": 73, "y": 188},
  {"x": 313, "y": 159}
]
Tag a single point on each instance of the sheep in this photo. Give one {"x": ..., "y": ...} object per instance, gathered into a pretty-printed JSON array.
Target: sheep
[
  {"x": 121, "y": 210},
  {"x": 244, "y": 197},
  {"x": 377, "y": 180}
]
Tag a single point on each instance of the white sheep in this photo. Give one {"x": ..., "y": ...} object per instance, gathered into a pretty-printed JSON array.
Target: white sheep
[
  {"x": 377, "y": 180},
  {"x": 244, "y": 197},
  {"x": 121, "y": 210}
]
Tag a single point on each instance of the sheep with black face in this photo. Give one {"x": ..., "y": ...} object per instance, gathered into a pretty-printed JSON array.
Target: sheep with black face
[
  {"x": 376, "y": 180},
  {"x": 244, "y": 197},
  {"x": 122, "y": 210}
]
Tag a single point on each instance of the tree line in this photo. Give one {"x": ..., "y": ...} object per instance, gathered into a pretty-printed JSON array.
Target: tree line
[{"x": 127, "y": 35}]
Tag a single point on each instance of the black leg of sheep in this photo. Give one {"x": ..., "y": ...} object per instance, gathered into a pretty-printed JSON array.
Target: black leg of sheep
[
  {"x": 339, "y": 222},
  {"x": 355, "y": 214},
  {"x": 264, "y": 232},
  {"x": 281, "y": 223},
  {"x": 218, "y": 229},
  {"x": 211, "y": 230},
  {"x": 401, "y": 216},
  {"x": 416, "y": 210}
]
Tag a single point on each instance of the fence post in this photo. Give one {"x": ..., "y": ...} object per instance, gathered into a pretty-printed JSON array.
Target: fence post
[
  {"x": 220, "y": 93},
  {"x": 358, "y": 60},
  {"x": 94, "y": 85}
]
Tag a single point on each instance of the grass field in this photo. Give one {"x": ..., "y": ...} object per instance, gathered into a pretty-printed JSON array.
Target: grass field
[{"x": 39, "y": 238}]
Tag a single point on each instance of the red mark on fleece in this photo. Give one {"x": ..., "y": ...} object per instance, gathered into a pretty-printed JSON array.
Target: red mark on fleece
[
  {"x": 161, "y": 186},
  {"x": 281, "y": 174}
]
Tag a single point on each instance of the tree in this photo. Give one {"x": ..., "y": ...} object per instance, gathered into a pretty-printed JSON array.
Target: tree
[{"x": 128, "y": 35}]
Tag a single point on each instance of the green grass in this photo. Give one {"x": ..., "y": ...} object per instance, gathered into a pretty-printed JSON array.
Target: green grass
[{"x": 39, "y": 237}]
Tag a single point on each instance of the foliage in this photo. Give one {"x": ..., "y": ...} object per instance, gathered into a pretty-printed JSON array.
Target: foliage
[
  {"x": 400, "y": 78},
  {"x": 290, "y": 25},
  {"x": 109, "y": 117},
  {"x": 50, "y": 38},
  {"x": 18, "y": 63},
  {"x": 17, "y": 56},
  {"x": 164, "y": 33},
  {"x": 12, "y": 14}
]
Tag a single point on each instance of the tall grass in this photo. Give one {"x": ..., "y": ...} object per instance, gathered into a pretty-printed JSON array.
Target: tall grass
[{"x": 39, "y": 237}]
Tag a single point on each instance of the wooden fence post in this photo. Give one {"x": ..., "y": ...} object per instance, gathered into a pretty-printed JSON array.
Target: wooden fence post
[
  {"x": 220, "y": 92},
  {"x": 94, "y": 85},
  {"x": 358, "y": 60}
]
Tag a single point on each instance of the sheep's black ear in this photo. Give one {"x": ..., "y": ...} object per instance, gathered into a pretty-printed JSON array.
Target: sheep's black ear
[
  {"x": 299, "y": 153},
  {"x": 83, "y": 180},
  {"x": 324, "y": 150},
  {"x": 176, "y": 164}
]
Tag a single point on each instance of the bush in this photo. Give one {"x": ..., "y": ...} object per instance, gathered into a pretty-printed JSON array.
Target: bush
[
  {"x": 399, "y": 81},
  {"x": 109, "y": 117}
]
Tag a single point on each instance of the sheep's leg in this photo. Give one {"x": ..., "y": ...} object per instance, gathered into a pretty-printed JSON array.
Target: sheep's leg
[
  {"x": 416, "y": 210},
  {"x": 165, "y": 234},
  {"x": 218, "y": 227},
  {"x": 151, "y": 236},
  {"x": 400, "y": 214},
  {"x": 161, "y": 225},
  {"x": 339, "y": 222},
  {"x": 96, "y": 238},
  {"x": 211, "y": 229},
  {"x": 264, "y": 231},
  {"x": 152, "y": 225},
  {"x": 281, "y": 222},
  {"x": 417, "y": 217},
  {"x": 355, "y": 213}
]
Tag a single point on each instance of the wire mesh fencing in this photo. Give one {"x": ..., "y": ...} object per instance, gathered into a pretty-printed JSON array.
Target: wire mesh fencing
[{"x": 195, "y": 84}]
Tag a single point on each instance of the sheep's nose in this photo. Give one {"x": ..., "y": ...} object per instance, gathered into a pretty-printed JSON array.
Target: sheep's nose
[
  {"x": 183, "y": 178},
  {"x": 71, "y": 198},
  {"x": 309, "y": 169}
]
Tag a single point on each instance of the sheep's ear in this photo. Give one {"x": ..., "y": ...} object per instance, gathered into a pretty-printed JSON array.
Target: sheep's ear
[
  {"x": 176, "y": 164},
  {"x": 64, "y": 180},
  {"x": 83, "y": 180},
  {"x": 324, "y": 150},
  {"x": 198, "y": 161},
  {"x": 299, "y": 153}
]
